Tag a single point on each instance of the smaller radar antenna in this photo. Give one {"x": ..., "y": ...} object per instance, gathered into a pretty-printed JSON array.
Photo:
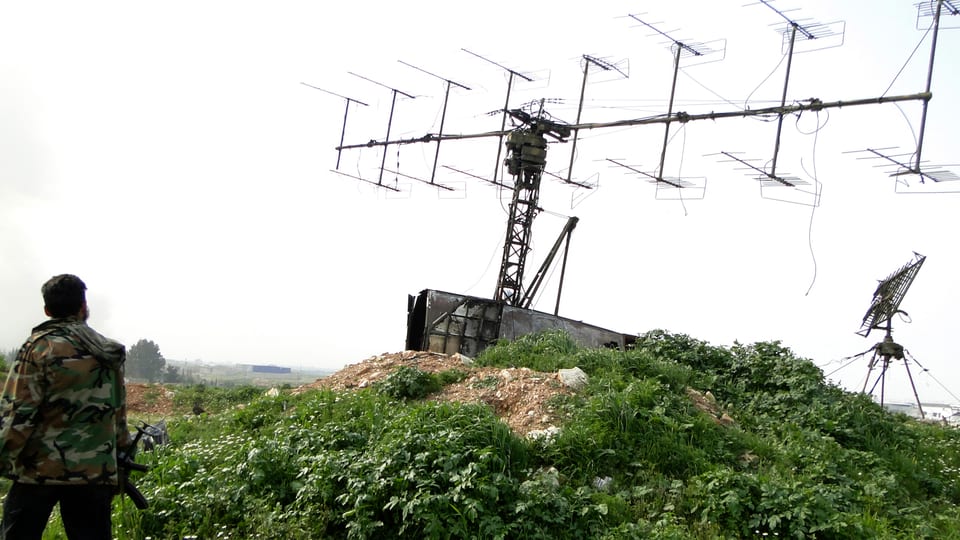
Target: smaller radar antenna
[{"x": 886, "y": 304}]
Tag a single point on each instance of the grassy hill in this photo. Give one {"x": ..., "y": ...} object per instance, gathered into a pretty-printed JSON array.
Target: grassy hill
[{"x": 673, "y": 439}]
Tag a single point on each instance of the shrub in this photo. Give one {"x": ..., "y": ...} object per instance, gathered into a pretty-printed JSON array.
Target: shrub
[{"x": 408, "y": 382}]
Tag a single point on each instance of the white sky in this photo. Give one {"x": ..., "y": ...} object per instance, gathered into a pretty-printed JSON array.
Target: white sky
[{"x": 168, "y": 154}]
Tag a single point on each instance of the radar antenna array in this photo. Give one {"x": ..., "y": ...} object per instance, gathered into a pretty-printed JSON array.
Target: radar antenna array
[
  {"x": 526, "y": 143},
  {"x": 886, "y": 304}
]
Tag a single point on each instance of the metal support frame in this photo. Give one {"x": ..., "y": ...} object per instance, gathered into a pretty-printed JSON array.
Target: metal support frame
[{"x": 538, "y": 278}]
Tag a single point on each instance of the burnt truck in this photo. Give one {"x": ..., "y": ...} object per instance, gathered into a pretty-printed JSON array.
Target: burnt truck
[{"x": 450, "y": 323}]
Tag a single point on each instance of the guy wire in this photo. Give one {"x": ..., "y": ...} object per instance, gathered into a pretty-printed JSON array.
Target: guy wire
[
  {"x": 765, "y": 79},
  {"x": 909, "y": 58},
  {"x": 927, "y": 371},
  {"x": 723, "y": 99},
  {"x": 852, "y": 360}
]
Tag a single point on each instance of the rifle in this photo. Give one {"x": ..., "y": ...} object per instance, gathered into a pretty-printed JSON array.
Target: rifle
[{"x": 126, "y": 463}]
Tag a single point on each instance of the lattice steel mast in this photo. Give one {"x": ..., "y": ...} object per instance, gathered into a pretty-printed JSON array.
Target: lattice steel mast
[{"x": 526, "y": 159}]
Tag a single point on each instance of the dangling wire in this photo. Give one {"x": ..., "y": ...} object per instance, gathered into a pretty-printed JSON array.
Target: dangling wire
[
  {"x": 683, "y": 149},
  {"x": 765, "y": 79},
  {"x": 818, "y": 190},
  {"x": 493, "y": 256}
]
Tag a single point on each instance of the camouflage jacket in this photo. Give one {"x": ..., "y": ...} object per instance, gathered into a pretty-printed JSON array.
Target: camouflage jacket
[{"x": 63, "y": 409}]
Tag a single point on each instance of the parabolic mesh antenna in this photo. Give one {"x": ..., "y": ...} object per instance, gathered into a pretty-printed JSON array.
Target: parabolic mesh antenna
[
  {"x": 886, "y": 303},
  {"x": 889, "y": 294}
]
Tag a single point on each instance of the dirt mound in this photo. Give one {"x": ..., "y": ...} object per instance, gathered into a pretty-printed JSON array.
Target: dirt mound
[
  {"x": 149, "y": 399},
  {"x": 519, "y": 396}
]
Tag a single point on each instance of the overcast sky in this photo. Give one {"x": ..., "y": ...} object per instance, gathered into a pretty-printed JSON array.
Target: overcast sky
[{"x": 169, "y": 155}]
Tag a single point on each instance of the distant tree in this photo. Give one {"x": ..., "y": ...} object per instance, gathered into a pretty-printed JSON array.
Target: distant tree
[
  {"x": 144, "y": 361},
  {"x": 173, "y": 374},
  {"x": 6, "y": 360}
]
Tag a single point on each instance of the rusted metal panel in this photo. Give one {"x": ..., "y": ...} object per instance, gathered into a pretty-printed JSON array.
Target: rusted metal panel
[
  {"x": 516, "y": 322},
  {"x": 451, "y": 323}
]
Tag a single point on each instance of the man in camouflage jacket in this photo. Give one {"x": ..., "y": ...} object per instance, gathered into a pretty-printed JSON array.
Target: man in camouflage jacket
[{"x": 62, "y": 419}]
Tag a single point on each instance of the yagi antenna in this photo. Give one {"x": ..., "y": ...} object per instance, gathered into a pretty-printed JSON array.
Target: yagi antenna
[
  {"x": 393, "y": 104},
  {"x": 914, "y": 166},
  {"x": 478, "y": 177},
  {"x": 805, "y": 35},
  {"x": 928, "y": 10},
  {"x": 346, "y": 110},
  {"x": 796, "y": 36},
  {"x": 588, "y": 61},
  {"x": 681, "y": 50},
  {"x": 443, "y": 115},
  {"x": 902, "y": 167},
  {"x": 670, "y": 184},
  {"x": 506, "y": 105},
  {"x": 809, "y": 31},
  {"x": 770, "y": 182}
]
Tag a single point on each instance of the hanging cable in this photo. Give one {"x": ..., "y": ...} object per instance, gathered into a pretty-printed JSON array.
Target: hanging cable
[
  {"x": 483, "y": 274},
  {"x": 683, "y": 150},
  {"x": 817, "y": 190},
  {"x": 764, "y": 81}
]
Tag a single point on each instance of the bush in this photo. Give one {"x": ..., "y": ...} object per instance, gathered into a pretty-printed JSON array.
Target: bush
[{"x": 408, "y": 382}]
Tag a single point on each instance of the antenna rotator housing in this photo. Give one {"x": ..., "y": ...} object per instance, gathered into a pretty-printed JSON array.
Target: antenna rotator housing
[
  {"x": 527, "y": 152},
  {"x": 889, "y": 349}
]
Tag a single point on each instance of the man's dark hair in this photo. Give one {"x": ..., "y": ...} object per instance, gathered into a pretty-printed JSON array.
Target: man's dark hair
[{"x": 63, "y": 295}]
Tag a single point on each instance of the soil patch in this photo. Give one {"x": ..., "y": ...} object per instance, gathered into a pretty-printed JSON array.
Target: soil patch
[
  {"x": 521, "y": 397},
  {"x": 149, "y": 399}
]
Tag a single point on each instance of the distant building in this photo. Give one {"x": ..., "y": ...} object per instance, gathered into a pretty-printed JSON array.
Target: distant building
[
  {"x": 258, "y": 368},
  {"x": 935, "y": 412}
]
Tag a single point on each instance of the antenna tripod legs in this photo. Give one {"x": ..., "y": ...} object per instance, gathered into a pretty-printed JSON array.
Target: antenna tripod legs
[
  {"x": 884, "y": 352},
  {"x": 906, "y": 365}
]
